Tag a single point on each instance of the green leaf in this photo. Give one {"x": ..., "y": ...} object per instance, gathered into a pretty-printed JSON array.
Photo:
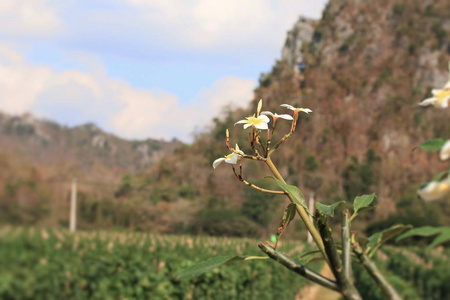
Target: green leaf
[
  {"x": 288, "y": 216},
  {"x": 328, "y": 209},
  {"x": 443, "y": 235},
  {"x": 363, "y": 201},
  {"x": 202, "y": 267},
  {"x": 440, "y": 176},
  {"x": 363, "y": 241},
  {"x": 294, "y": 192},
  {"x": 424, "y": 231},
  {"x": 433, "y": 145},
  {"x": 379, "y": 238},
  {"x": 440, "y": 239}
]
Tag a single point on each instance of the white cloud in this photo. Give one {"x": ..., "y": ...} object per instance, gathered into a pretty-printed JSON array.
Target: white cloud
[
  {"x": 34, "y": 18},
  {"x": 117, "y": 106},
  {"x": 233, "y": 26}
]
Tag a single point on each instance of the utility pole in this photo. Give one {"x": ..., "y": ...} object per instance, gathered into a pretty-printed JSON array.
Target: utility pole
[
  {"x": 311, "y": 209},
  {"x": 73, "y": 206}
]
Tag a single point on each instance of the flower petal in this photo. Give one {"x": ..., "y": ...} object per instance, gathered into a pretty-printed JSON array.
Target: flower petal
[
  {"x": 264, "y": 118},
  {"x": 262, "y": 126},
  {"x": 428, "y": 101},
  {"x": 241, "y": 122},
  {"x": 435, "y": 92},
  {"x": 284, "y": 116},
  {"x": 288, "y": 106},
  {"x": 444, "y": 154},
  {"x": 305, "y": 110},
  {"x": 231, "y": 158},
  {"x": 218, "y": 162},
  {"x": 435, "y": 190},
  {"x": 267, "y": 113},
  {"x": 247, "y": 125}
]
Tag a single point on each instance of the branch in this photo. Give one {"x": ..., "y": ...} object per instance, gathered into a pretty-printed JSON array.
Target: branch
[
  {"x": 347, "y": 289},
  {"x": 239, "y": 177},
  {"x": 373, "y": 271},
  {"x": 298, "y": 268},
  {"x": 346, "y": 248}
]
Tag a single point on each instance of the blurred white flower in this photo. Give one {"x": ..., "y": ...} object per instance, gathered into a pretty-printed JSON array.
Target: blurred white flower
[
  {"x": 440, "y": 98},
  {"x": 231, "y": 158},
  {"x": 259, "y": 122},
  {"x": 275, "y": 116},
  {"x": 445, "y": 151},
  {"x": 296, "y": 109},
  {"x": 435, "y": 190}
]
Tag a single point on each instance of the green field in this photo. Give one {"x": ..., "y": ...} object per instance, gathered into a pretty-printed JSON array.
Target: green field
[{"x": 55, "y": 264}]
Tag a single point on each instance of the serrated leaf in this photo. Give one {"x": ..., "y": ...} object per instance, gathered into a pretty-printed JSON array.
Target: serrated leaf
[
  {"x": 328, "y": 209},
  {"x": 363, "y": 201},
  {"x": 424, "y": 231},
  {"x": 376, "y": 240},
  {"x": 433, "y": 145},
  {"x": 202, "y": 267},
  {"x": 294, "y": 192},
  {"x": 288, "y": 216}
]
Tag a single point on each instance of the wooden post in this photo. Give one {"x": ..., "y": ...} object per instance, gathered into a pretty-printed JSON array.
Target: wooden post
[
  {"x": 73, "y": 206},
  {"x": 311, "y": 209}
]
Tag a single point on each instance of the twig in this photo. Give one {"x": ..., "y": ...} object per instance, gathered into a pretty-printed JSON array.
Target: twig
[
  {"x": 298, "y": 268},
  {"x": 373, "y": 271}
]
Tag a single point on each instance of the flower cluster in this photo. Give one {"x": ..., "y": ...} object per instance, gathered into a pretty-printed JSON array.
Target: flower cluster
[{"x": 258, "y": 122}]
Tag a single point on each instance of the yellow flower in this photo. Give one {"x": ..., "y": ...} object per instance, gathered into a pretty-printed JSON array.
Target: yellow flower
[
  {"x": 257, "y": 122},
  {"x": 435, "y": 190},
  {"x": 440, "y": 98},
  {"x": 231, "y": 158}
]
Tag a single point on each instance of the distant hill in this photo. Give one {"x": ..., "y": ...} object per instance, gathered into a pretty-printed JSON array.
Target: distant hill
[{"x": 41, "y": 154}]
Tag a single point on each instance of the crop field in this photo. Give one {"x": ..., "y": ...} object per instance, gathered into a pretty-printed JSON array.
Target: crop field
[{"x": 56, "y": 264}]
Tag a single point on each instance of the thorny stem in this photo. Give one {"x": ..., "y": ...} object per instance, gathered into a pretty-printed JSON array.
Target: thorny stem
[
  {"x": 347, "y": 289},
  {"x": 301, "y": 211},
  {"x": 372, "y": 269},
  {"x": 298, "y": 268}
]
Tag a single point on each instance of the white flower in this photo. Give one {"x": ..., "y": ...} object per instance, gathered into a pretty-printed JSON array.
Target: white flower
[
  {"x": 259, "y": 122},
  {"x": 445, "y": 151},
  {"x": 296, "y": 109},
  {"x": 435, "y": 190},
  {"x": 276, "y": 116},
  {"x": 231, "y": 158},
  {"x": 440, "y": 98}
]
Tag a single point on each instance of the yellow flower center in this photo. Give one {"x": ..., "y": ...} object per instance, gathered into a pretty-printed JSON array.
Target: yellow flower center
[
  {"x": 255, "y": 121},
  {"x": 443, "y": 95}
]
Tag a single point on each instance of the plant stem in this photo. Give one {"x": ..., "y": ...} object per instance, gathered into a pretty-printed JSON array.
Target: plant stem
[
  {"x": 346, "y": 248},
  {"x": 301, "y": 211},
  {"x": 347, "y": 289},
  {"x": 373, "y": 271},
  {"x": 298, "y": 268}
]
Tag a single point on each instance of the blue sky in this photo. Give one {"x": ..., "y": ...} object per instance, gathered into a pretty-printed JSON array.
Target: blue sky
[{"x": 139, "y": 68}]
